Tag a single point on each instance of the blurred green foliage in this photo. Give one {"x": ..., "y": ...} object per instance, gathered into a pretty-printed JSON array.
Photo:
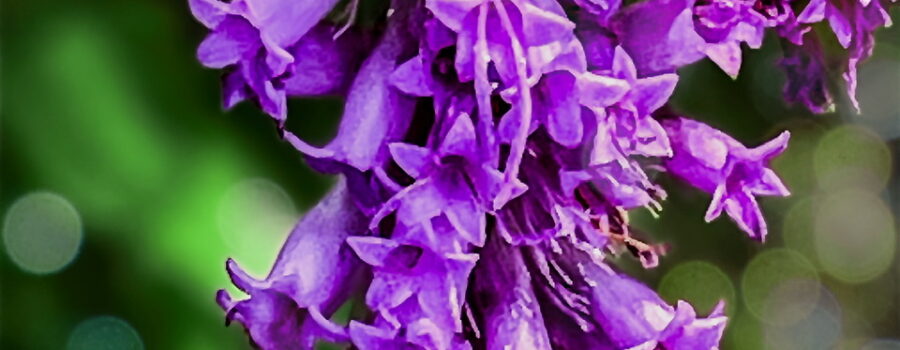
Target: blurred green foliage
[{"x": 104, "y": 104}]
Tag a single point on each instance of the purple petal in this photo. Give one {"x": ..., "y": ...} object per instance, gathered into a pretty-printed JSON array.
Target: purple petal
[
  {"x": 771, "y": 148},
  {"x": 697, "y": 159},
  {"x": 313, "y": 275},
  {"x": 273, "y": 101},
  {"x": 281, "y": 23},
  {"x": 414, "y": 160},
  {"x": 234, "y": 89},
  {"x": 452, "y": 12},
  {"x": 668, "y": 24},
  {"x": 687, "y": 332},
  {"x": 460, "y": 139},
  {"x": 543, "y": 26},
  {"x": 632, "y": 315},
  {"x": 726, "y": 55},
  {"x": 743, "y": 209},
  {"x": 323, "y": 65},
  {"x": 557, "y": 100},
  {"x": 208, "y": 12},
  {"x": 840, "y": 25},
  {"x": 233, "y": 39},
  {"x": 652, "y": 140},
  {"x": 622, "y": 65},
  {"x": 814, "y": 12},
  {"x": 600, "y": 91},
  {"x": 375, "y": 114},
  {"x": 374, "y": 251},
  {"x": 651, "y": 93},
  {"x": 807, "y": 77},
  {"x": 410, "y": 78},
  {"x": 511, "y": 316}
]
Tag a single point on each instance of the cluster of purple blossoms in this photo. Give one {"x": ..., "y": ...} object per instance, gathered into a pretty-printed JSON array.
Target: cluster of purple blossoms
[{"x": 489, "y": 152}]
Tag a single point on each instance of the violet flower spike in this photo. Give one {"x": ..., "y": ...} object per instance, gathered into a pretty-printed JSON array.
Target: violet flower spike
[{"x": 488, "y": 156}]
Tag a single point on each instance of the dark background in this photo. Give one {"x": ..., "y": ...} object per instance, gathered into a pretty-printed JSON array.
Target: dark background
[{"x": 104, "y": 106}]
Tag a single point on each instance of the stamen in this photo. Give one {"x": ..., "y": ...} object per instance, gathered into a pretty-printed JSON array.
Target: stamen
[
  {"x": 350, "y": 13},
  {"x": 472, "y": 322}
]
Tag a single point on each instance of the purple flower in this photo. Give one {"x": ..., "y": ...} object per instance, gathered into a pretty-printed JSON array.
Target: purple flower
[
  {"x": 489, "y": 152},
  {"x": 780, "y": 15},
  {"x": 511, "y": 314},
  {"x": 375, "y": 113},
  {"x": 635, "y": 317},
  {"x": 612, "y": 311},
  {"x": 724, "y": 25},
  {"x": 314, "y": 275},
  {"x": 603, "y": 10},
  {"x": 720, "y": 165},
  {"x": 518, "y": 39},
  {"x": 415, "y": 290},
  {"x": 669, "y": 23},
  {"x": 267, "y": 42},
  {"x": 690, "y": 30},
  {"x": 853, "y": 23},
  {"x": 806, "y": 76},
  {"x": 625, "y": 129}
]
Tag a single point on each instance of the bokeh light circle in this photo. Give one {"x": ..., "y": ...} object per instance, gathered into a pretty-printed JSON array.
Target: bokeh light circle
[
  {"x": 772, "y": 268},
  {"x": 870, "y": 302},
  {"x": 793, "y": 166},
  {"x": 787, "y": 328},
  {"x": 700, "y": 283},
  {"x": 254, "y": 217},
  {"x": 851, "y": 155},
  {"x": 104, "y": 333},
  {"x": 877, "y": 92},
  {"x": 798, "y": 227},
  {"x": 743, "y": 332},
  {"x": 42, "y": 232},
  {"x": 855, "y": 240},
  {"x": 788, "y": 302},
  {"x": 882, "y": 344}
]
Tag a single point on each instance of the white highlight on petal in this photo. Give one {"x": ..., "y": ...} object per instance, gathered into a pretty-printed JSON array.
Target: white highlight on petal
[{"x": 656, "y": 315}]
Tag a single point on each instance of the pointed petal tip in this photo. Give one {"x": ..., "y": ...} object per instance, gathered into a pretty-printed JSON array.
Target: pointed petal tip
[
  {"x": 509, "y": 191},
  {"x": 460, "y": 139},
  {"x": 772, "y": 148},
  {"x": 413, "y": 159},
  {"x": 240, "y": 278},
  {"x": 224, "y": 299},
  {"x": 719, "y": 309},
  {"x": 717, "y": 204}
]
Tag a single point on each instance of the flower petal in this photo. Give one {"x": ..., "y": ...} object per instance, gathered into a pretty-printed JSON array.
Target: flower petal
[
  {"x": 314, "y": 274},
  {"x": 511, "y": 316},
  {"x": 375, "y": 114}
]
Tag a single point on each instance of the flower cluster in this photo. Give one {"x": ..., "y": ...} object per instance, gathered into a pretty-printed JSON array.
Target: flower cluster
[{"x": 488, "y": 154}]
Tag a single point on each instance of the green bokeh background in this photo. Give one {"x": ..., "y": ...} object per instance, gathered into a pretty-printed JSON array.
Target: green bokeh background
[{"x": 104, "y": 104}]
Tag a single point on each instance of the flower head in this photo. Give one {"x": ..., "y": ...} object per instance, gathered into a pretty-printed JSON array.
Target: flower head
[{"x": 489, "y": 153}]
